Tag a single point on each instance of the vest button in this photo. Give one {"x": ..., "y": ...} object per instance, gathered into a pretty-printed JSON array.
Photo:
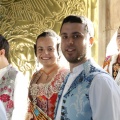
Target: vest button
[
  {"x": 63, "y": 107},
  {"x": 64, "y": 101}
]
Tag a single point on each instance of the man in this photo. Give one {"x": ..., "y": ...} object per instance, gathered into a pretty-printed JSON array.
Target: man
[
  {"x": 88, "y": 92},
  {"x": 13, "y": 85},
  {"x": 2, "y": 112}
]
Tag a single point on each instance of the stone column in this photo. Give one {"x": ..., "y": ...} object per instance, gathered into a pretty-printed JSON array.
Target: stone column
[{"x": 109, "y": 21}]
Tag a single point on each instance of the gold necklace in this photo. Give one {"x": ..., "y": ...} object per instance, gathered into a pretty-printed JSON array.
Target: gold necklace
[{"x": 48, "y": 73}]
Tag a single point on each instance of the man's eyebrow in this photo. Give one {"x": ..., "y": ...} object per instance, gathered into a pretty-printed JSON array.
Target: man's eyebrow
[
  {"x": 77, "y": 33},
  {"x": 63, "y": 34},
  {"x": 72, "y": 33}
]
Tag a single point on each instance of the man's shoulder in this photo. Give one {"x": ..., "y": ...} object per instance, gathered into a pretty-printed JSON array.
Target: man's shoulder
[
  {"x": 13, "y": 72},
  {"x": 13, "y": 69}
]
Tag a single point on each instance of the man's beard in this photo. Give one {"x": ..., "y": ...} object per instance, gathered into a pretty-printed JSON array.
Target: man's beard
[{"x": 76, "y": 59}]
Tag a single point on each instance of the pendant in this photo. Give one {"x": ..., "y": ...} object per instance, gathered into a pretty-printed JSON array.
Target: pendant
[{"x": 36, "y": 112}]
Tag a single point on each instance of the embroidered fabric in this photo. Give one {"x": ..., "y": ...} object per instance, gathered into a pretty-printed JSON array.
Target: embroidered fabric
[
  {"x": 6, "y": 90},
  {"x": 116, "y": 67},
  {"x": 45, "y": 95},
  {"x": 50, "y": 88}
]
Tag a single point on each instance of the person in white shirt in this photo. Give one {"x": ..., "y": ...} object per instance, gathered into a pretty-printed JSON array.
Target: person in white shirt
[
  {"x": 2, "y": 112},
  {"x": 13, "y": 85},
  {"x": 88, "y": 92}
]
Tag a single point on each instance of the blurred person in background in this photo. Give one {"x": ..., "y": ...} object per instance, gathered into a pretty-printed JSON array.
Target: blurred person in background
[
  {"x": 13, "y": 85},
  {"x": 112, "y": 61}
]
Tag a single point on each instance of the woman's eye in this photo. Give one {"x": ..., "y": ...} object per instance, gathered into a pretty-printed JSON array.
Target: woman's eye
[
  {"x": 50, "y": 49},
  {"x": 40, "y": 50}
]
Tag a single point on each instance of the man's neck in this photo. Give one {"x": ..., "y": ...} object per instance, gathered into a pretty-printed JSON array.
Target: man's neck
[
  {"x": 4, "y": 63},
  {"x": 73, "y": 65}
]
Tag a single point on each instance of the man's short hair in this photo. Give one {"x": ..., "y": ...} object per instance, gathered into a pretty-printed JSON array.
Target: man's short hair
[{"x": 80, "y": 19}]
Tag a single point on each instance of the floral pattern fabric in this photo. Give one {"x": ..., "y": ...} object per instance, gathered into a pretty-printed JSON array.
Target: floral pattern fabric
[
  {"x": 7, "y": 90},
  {"x": 46, "y": 94}
]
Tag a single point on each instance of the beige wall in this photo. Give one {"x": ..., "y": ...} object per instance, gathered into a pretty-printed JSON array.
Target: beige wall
[{"x": 109, "y": 21}]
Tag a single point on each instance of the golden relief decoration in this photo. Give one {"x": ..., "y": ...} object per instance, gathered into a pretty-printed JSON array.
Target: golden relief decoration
[{"x": 21, "y": 21}]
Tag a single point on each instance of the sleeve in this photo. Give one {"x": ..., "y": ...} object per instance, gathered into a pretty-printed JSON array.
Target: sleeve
[
  {"x": 20, "y": 97},
  {"x": 104, "y": 98},
  {"x": 2, "y": 112}
]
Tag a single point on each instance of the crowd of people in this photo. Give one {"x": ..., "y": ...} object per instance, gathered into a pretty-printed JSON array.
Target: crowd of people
[{"x": 82, "y": 91}]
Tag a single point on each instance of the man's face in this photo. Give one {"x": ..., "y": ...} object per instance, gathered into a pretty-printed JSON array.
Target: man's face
[{"x": 73, "y": 41}]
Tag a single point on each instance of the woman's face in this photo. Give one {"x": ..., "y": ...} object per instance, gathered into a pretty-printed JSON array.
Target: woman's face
[{"x": 46, "y": 50}]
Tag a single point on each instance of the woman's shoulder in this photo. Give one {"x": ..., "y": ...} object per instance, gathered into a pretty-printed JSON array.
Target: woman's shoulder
[{"x": 64, "y": 70}]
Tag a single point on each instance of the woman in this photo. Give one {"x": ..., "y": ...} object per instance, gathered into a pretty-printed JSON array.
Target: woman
[
  {"x": 112, "y": 61},
  {"x": 46, "y": 82}
]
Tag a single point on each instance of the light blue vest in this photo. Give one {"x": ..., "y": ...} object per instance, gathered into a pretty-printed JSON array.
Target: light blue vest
[{"x": 76, "y": 104}]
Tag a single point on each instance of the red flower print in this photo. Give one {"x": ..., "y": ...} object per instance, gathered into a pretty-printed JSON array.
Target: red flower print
[
  {"x": 10, "y": 104},
  {"x": 5, "y": 88},
  {"x": 3, "y": 78},
  {"x": 2, "y": 89},
  {"x": 4, "y": 97},
  {"x": 9, "y": 90}
]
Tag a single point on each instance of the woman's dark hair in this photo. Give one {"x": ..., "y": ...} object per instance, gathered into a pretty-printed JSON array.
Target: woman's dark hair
[
  {"x": 4, "y": 45},
  {"x": 50, "y": 33}
]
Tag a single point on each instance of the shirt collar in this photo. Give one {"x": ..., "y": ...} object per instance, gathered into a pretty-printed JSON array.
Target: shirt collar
[{"x": 77, "y": 69}]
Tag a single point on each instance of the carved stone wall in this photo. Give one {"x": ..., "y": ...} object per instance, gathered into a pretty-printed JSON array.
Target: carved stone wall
[{"x": 22, "y": 20}]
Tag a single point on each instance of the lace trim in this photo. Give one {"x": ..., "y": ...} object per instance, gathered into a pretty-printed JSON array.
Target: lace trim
[{"x": 50, "y": 88}]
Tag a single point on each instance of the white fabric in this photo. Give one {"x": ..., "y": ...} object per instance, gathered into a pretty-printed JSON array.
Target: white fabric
[
  {"x": 76, "y": 71},
  {"x": 2, "y": 112},
  {"x": 112, "y": 46},
  {"x": 103, "y": 88},
  {"x": 20, "y": 95}
]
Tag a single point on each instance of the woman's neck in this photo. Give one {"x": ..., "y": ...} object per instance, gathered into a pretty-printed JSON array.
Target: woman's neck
[{"x": 49, "y": 69}]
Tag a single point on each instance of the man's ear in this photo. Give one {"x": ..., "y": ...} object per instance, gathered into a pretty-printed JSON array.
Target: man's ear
[
  {"x": 91, "y": 41},
  {"x": 2, "y": 52}
]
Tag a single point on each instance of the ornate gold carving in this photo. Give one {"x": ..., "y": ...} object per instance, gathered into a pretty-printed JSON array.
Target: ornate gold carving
[{"x": 22, "y": 20}]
